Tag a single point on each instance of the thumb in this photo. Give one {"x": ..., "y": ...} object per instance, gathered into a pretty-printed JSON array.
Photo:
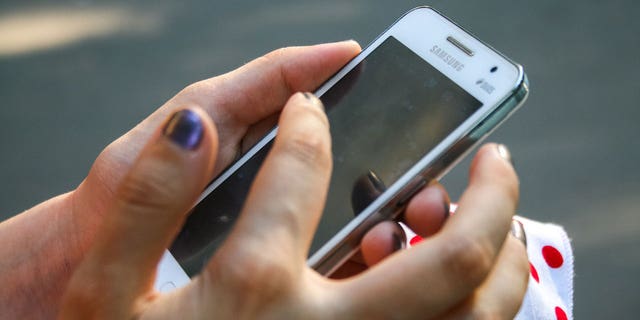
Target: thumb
[{"x": 147, "y": 212}]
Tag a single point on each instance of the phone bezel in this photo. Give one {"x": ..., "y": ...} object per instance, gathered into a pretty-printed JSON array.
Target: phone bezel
[{"x": 420, "y": 30}]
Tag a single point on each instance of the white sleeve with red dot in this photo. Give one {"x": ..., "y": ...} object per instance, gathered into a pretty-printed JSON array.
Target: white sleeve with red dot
[{"x": 550, "y": 291}]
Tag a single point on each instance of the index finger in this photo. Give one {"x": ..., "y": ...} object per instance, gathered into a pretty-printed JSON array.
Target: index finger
[
  {"x": 235, "y": 100},
  {"x": 244, "y": 96},
  {"x": 288, "y": 194},
  {"x": 438, "y": 274},
  {"x": 262, "y": 86}
]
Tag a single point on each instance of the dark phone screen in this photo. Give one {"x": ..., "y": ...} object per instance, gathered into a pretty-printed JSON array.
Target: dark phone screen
[{"x": 385, "y": 114}]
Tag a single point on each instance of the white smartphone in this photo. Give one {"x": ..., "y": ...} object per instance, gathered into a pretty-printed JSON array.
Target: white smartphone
[{"x": 402, "y": 113}]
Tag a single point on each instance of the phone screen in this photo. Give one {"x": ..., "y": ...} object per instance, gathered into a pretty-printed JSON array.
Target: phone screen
[{"x": 385, "y": 115}]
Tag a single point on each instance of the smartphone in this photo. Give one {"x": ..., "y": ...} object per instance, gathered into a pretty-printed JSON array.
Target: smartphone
[{"x": 402, "y": 113}]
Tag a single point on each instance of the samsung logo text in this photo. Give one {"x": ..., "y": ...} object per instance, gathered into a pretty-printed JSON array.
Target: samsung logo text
[{"x": 447, "y": 58}]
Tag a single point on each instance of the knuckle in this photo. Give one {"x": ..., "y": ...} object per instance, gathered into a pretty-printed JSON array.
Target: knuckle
[
  {"x": 278, "y": 59},
  {"x": 308, "y": 147},
  {"x": 200, "y": 92},
  {"x": 276, "y": 55},
  {"x": 255, "y": 272},
  {"x": 151, "y": 186},
  {"x": 469, "y": 260},
  {"x": 193, "y": 89},
  {"x": 270, "y": 59},
  {"x": 100, "y": 176}
]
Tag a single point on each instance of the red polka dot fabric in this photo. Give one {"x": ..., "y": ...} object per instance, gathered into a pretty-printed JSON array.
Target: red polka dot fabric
[
  {"x": 550, "y": 291},
  {"x": 552, "y": 257},
  {"x": 534, "y": 272},
  {"x": 560, "y": 314},
  {"x": 414, "y": 240}
]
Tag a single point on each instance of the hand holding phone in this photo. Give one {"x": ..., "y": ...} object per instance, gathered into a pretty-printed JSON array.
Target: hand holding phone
[
  {"x": 247, "y": 276},
  {"x": 403, "y": 111},
  {"x": 261, "y": 271}
]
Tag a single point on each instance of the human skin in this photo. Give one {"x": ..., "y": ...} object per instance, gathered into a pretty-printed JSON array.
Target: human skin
[{"x": 45, "y": 245}]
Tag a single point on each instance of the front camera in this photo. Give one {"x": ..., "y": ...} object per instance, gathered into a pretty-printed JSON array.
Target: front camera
[{"x": 494, "y": 69}]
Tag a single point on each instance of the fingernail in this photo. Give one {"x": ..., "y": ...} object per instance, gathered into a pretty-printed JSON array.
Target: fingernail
[
  {"x": 365, "y": 190},
  {"x": 313, "y": 99},
  {"x": 517, "y": 230},
  {"x": 399, "y": 239},
  {"x": 446, "y": 206},
  {"x": 185, "y": 129},
  {"x": 447, "y": 209},
  {"x": 376, "y": 182},
  {"x": 504, "y": 153}
]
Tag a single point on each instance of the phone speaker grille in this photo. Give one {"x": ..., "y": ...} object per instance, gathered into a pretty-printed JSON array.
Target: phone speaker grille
[{"x": 460, "y": 46}]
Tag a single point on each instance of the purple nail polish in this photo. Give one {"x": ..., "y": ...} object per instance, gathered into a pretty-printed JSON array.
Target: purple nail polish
[{"x": 185, "y": 129}]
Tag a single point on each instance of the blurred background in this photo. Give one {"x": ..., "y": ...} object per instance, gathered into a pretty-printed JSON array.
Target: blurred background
[{"x": 75, "y": 75}]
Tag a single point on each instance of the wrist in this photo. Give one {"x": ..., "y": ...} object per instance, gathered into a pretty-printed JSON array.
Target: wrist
[{"x": 38, "y": 255}]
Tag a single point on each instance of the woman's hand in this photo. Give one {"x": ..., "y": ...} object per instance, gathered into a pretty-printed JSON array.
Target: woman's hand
[
  {"x": 43, "y": 246},
  {"x": 468, "y": 268}
]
